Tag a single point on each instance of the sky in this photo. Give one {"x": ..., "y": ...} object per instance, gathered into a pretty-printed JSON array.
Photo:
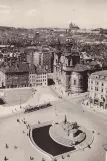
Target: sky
[{"x": 53, "y": 13}]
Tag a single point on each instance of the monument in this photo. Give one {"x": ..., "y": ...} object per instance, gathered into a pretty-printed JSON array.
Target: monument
[{"x": 67, "y": 133}]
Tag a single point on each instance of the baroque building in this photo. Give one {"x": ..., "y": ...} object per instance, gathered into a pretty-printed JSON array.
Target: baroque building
[{"x": 67, "y": 68}]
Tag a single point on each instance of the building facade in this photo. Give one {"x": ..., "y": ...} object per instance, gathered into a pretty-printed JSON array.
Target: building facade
[
  {"x": 41, "y": 57},
  {"x": 78, "y": 77},
  {"x": 2, "y": 79},
  {"x": 46, "y": 59},
  {"x": 32, "y": 75},
  {"x": 68, "y": 71},
  {"x": 16, "y": 76},
  {"x": 41, "y": 77},
  {"x": 97, "y": 86}
]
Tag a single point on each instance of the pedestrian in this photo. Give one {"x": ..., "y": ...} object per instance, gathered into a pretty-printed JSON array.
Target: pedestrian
[
  {"x": 15, "y": 147},
  {"x": 28, "y": 126},
  {"x": 38, "y": 122},
  {"x": 7, "y": 146},
  {"x": 31, "y": 158},
  {"x": 23, "y": 131},
  {"x": 5, "y": 158},
  {"x": 18, "y": 120},
  {"x": 25, "y": 122}
]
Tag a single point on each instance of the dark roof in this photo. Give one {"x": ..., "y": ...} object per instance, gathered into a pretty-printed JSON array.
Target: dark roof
[
  {"x": 72, "y": 52},
  {"x": 93, "y": 63},
  {"x": 40, "y": 70},
  {"x": 20, "y": 67},
  {"x": 100, "y": 73},
  {"x": 105, "y": 63},
  {"x": 80, "y": 68},
  {"x": 45, "y": 50},
  {"x": 32, "y": 68}
]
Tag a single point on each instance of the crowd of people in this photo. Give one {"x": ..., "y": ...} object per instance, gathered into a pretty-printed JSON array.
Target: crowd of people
[{"x": 25, "y": 131}]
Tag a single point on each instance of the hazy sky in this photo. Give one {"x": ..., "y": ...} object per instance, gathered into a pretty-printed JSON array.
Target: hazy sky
[{"x": 53, "y": 13}]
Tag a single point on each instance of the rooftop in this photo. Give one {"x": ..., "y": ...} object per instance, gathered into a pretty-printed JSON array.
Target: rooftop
[
  {"x": 40, "y": 70},
  {"x": 20, "y": 67},
  {"x": 93, "y": 63},
  {"x": 80, "y": 68},
  {"x": 72, "y": 52},
  {"x": 101, "y": 73}
]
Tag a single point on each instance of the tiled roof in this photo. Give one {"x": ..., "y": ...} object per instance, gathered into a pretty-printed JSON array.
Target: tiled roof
[
  {"x": 32, "y": 67},
  {"x": 40, "y": 70},
  {"x": 80, "y": 67},
  {"x": 20, "y": 67},
  {"x": 100, "y": 73},
  {"x": 72, "y": 52},
  {"x": 45, "y": 49},
  {"x": 105, "y": 64},
  {"x": 93, "y": 63}
]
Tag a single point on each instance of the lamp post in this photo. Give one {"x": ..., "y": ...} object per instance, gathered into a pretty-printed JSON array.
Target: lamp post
[{"x": 20, "y": 103}]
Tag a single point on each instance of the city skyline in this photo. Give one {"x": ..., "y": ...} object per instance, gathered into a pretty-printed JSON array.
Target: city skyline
[{"x": 53, "y": 13}]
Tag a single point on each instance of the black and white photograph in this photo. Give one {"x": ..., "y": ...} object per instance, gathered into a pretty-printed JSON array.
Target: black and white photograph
[{"x": 53, "y": 80}]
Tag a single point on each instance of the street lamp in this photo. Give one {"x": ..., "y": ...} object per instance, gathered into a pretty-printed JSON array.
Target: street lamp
[{"x": 20, "y": 103}]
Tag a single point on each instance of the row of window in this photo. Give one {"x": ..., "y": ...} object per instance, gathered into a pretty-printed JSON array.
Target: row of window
[
  {"x": 42, "y": 76},
  {"x": 97, "y": 83},
  {"x": 97, "y": 89},
  {"x": 101, "y": 77},
  {"x": 37, "y": 77},
  {"x": 39, "y": 84},
  {"x": 40, "y": 80},
  {"x": 95, "y": 95}
]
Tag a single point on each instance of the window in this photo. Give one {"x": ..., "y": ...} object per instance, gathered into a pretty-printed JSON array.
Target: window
[
  {"x": 96, "y": 88},
  {"x": 74, "y": 82},
  {"x": 102, "y": 77},
  {"x": 101, "y": 96},
  {"x": 102, "y": 84},
  {"x": 97, "y": 76},
  {"x": 101, "y": 90},
  {"x": 69, "y": 62},
  {"x": 91, "y": 81},
  {"x": 97, "y": 83}
]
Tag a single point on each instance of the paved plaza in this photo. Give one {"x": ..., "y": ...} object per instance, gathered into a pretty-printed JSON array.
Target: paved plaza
[{"x": 15, "y": 133}]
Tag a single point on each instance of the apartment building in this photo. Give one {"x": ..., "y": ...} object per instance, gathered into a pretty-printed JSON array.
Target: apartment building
[
  {"x": 41, "y": 77},
  {"x": 97, "y": 86}
]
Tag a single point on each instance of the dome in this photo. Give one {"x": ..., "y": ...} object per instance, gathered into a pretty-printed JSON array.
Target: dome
[{"x": 80, "y": 68}]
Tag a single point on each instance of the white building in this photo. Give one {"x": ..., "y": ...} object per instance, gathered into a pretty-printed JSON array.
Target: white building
[
  {"x": 97, "y": 86},
  {"x": 38, "y": 78},
  {"x": 41, "y": 77},
  {"x": 2, "y": 79}
]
